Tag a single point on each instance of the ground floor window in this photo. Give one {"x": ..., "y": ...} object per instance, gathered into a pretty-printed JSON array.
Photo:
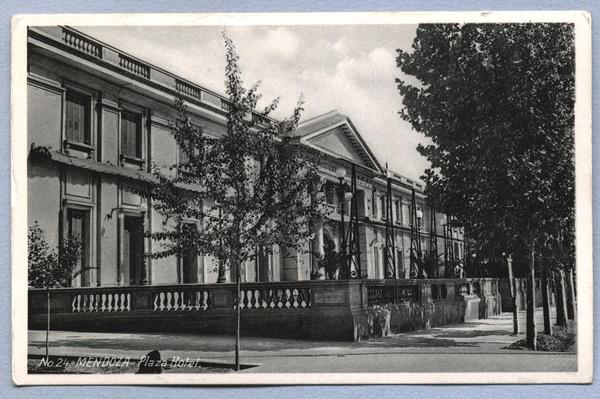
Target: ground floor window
[{"x": 189, "y": 259}]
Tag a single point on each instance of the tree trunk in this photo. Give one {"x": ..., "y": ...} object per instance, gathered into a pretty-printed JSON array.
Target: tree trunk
[
  {"x": 238, "y": 292},
  {"x": 546, "y": 303},
  {"x": 531, "y": 334},
  {"x": 513, "y": 295},
  {"x": 561, "y": 305},
  {"x": 47, "y": 322},
  {"x": 236, "y": 264},
  {"x": 571, "y": 308}
]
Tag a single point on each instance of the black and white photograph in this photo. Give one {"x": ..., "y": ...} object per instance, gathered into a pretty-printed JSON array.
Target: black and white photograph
[{"x": 302, "y": 198}]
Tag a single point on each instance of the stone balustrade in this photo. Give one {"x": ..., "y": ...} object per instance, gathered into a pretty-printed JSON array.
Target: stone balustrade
[
  {"x": 323, "y": 309},
  {"x": 90, "y": 48}
]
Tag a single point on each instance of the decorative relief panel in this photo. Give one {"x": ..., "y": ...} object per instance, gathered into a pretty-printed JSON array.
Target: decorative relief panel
[{"x": 78, "y": 184}]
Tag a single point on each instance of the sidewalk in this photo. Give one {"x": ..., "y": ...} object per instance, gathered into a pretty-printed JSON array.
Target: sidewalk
[{"x": 471, "y": 347}]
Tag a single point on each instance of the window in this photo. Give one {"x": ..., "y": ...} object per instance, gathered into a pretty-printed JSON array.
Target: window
[
  {"x": 399, "y": 264},
  {"x": 374, "y": 203},
  {"x": 131, "y": 135},
  {"x": 189, "y": 259},
  {"x": 78, "y": 224},
  {"x": 182, "y": 155},
  {"x": 405, "y": 214},
  {"x": 330, "y": 194},
  {"x": 377, "y": 264},
  {"x": 77, "y": 124},
  {"x": 183, "y": 159},
  {"x": 383, "y": 209},
  {"x": 398, "y": 206}
]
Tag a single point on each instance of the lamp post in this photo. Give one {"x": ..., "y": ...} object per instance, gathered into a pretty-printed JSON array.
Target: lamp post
[
  {"x": 419, "y": 215},
  {"x": 444, "y": 224},
  {"x": 343, "y": 196}
]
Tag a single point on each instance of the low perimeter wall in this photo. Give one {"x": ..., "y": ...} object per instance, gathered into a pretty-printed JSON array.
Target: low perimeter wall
[
  {"x": 330, "y": 310},
  {"x": 521, "y": 293}
]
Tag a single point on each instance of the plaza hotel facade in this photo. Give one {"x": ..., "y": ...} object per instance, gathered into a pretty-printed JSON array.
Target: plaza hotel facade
[{"x": 98, "y": 118}]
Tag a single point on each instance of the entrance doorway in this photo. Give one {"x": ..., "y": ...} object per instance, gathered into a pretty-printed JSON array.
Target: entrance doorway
[
  {"x": 189, "y": 258},
  {"x": 78, "y": 222},
  {"x": 262, "y": 264},
  {"x": 133, "y": 250}
]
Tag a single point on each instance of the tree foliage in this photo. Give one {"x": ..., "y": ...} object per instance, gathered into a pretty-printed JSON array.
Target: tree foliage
[
  {"x": 496, "y": 102},
  {"x": 250, "y": 188},
  {"x": 51, "y": 267}
]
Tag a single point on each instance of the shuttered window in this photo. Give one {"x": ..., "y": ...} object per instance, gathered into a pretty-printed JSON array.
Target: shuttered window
[
  {"x": 78, "y": 118},
  {"x": 131, "y": 135}
]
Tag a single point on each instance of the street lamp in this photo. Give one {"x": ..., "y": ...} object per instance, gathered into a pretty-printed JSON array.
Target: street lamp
[
  {"x": 319, "y": 196},
  {"x": 419, "y": 219},
  {"x": 444, "y": 226},
  {"x": 343, "y": 196}
]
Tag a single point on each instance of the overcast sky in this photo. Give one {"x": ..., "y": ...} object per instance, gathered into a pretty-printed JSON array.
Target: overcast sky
[{"x": 350, "y": 68}]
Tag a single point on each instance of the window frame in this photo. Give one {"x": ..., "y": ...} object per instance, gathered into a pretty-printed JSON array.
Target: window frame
[
  {"x": 179, "y": 152},
  {"x": 140, "y": 157},
  {"x": 90, "y": 96},
  {"x": 88, "y": 210},
  {"x": 200, "y": 272}
]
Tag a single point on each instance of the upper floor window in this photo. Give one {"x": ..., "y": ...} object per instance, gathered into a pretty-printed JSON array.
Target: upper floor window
[
  {"x": 330, "y": 194},
  {"x": 398, "y": 206},
  {"x": 374, "y": 203},
  {"x": 78, "y": 118},
  {"x": 383, "y": 208},
  {"x": 131, "y": 135}
]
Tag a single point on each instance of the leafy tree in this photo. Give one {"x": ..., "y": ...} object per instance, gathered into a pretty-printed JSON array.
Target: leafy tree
[
  {"x": 251, "y": 188},
  {"x": 496, "y": 102},
  {"x": 49, "y": 268},
  {"x": 332, "y": 259}
]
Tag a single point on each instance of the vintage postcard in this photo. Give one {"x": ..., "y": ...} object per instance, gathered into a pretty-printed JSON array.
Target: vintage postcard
[{"x": 310, "y": 198}]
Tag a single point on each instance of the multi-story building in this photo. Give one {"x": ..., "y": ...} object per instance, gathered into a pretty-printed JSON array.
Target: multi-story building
[{"x": 98, "y": 118}]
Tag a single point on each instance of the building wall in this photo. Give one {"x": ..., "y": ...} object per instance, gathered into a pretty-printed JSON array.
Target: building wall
[{"x": 53, "y": 189}]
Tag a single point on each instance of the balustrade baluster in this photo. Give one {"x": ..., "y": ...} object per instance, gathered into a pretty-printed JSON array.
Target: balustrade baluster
[
  {"x": 279, "y": 298},
  {"x": 257, "y": 299},
  {"x": 175, "y": 300}
]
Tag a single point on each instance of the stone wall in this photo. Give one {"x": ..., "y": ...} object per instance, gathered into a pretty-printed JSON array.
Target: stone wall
[
  {"x": 521, "y": 291},
  {"x": 338, "y": 310}
]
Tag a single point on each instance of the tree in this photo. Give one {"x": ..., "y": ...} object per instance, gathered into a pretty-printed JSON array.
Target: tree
[
  {"x": 331, "y": 259},
  {"x": 51, "y": 268},
  {"x": 496, "y": 102},
  {"x": 252, "y": 188}
]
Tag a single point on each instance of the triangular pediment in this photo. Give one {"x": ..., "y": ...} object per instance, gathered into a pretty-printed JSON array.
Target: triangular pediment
[
  {"x": 335, "y": 141},
  {"x": 335, "y": 135}
]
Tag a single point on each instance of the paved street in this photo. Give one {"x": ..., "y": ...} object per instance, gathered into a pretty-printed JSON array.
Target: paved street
[{"x": 471, "y": 347}]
